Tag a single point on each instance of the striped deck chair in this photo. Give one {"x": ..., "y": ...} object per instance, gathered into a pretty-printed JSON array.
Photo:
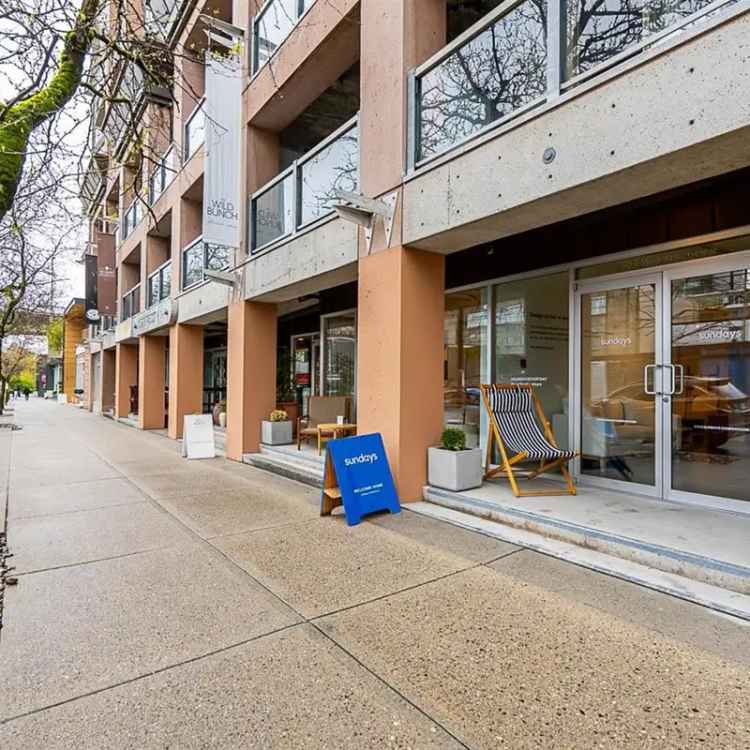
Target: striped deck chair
[{"x": 522, "y": 433}]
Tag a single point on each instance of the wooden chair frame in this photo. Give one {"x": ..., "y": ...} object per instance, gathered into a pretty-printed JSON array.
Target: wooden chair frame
[{"x": 506, "y": 467}]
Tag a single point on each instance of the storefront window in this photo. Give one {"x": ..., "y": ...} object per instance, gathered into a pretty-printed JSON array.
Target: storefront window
[
  {"x": 465, "y": 361},
  {"x": 531, "y": 342}
]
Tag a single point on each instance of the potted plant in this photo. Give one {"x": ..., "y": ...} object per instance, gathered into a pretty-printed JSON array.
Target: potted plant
[
  {"x": 453, "y": 466},
  {"x": 219, "y": 408},
  {"x": 277, "y": 429}
]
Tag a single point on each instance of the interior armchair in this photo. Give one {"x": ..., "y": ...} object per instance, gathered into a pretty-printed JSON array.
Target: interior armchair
[{"x": 321, "y": 410}]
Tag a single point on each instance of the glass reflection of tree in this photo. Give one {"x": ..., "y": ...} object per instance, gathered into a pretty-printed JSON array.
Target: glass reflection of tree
[
  {"x": 600, "y": 29},
  {"x": 334, "y": 168},
  {"x": 498, "y": 71}
]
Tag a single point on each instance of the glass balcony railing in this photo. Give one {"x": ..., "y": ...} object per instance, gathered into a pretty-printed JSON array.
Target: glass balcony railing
[
  {"x": 525, "y": 53},
  {"x": 160, "y": 15},
  {"x": 306, "y": 191},
  {"x": 195, "y": 131},
  {"x": 130, "y": 218},
  {"x": 159, "y": 284},
  {"x": 131, "y": 303},
  {"x": 162, "y": 174},
  {"x": 272, "y": 25},
  {"x": 200, "y": 256}
]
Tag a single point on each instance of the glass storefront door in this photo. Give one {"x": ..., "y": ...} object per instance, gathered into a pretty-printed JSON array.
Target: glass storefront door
[
  {"x": 709, "y": 361},
  {"x": 663, "y": 382},
  {"x": 339, "y": 333},
  {"x": 620, "y": 380}
]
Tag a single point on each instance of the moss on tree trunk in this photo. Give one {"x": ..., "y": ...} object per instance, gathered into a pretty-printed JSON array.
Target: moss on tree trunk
[{"x": 27, "y": 114}]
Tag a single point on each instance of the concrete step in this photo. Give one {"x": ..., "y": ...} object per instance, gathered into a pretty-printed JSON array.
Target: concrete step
[
  {"x": 713, "y": 597},
  {"x": 290, "y": 454},
  {"x": 722, "y": 574},
  {"x": 307, "y": 474}
]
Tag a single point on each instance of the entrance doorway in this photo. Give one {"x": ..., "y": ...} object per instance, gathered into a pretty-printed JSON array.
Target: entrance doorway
[{"x": 663, "y": 382}]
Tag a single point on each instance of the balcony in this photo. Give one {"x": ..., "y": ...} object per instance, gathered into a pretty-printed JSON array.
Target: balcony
[
  {"x": 159, "y": 284},
  {"x": 131, "y": 303},
  {"x": 195, "y": 131},
  {"x": 526, "y": 53},
  {"x": 162, "y": 174},
  {"x": 631, "y": 121},
  {"x": 200, "y": 256},
  {"x": 92, "y": 185},
  {"x": 272, "y": 25},
  {"x": 305, "y": 192},
  {"x": 160, "y": 17}
]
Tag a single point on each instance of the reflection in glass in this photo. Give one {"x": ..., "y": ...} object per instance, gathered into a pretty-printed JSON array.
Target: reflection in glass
[
  {"x": 494, "y": 74},
  {"x": 192, "y": 264},
  {"x": 340, "y": 348},
  {"x": 617, "y": 354},
  {"x": 273, "y": 212},
  {"x": 465, "y": 337},
  {"x": 334, "y": 168},
  {"x": 531, "y": 342},
  {"x": 711, "y": 405},
  {"x": 217, "y": 257},
  {"x": 599, "y": 30},
  {"x": 195, "y": 131},
  {"x": 273, "y": 27}
]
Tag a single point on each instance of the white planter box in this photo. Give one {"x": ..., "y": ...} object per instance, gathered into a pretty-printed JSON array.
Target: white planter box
[
  {"x": 276, "y": 433},
  {"x": 454, "y": 470}
]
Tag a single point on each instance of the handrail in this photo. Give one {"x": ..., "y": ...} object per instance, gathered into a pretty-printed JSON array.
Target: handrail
[{"x": 205, "y": 261}]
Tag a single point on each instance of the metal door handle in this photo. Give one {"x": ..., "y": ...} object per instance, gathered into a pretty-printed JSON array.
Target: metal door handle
[
  {"x": 681, "y": 368},
  {"x": 645, "y": 380}
]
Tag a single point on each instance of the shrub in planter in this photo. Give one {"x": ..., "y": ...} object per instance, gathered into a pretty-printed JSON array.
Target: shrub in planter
[
  {"x": 451, "y": 465},
  {"x": 277, "y": 429}
]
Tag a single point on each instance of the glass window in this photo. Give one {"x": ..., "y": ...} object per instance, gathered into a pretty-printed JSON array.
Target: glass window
[
  {"x": 273, "y": 213},
  {"x": 500, "y": 70},
  {"x": 195, "y": 131},
  {"x": 531, "y": 342},
  {"x": 153, "y": 290},
  {"x": 465, "y": 361},
  {"x": 334, "y": 168}
]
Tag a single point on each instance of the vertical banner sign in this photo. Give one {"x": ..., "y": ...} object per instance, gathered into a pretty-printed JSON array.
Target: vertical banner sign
[{"x": 222, "y": 149}]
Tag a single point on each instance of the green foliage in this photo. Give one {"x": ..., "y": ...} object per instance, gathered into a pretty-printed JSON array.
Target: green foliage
[
  {"x": 24, "y": 381},
  {"x": 453, "y": 439},
  {"x": 55, "y": 336}
]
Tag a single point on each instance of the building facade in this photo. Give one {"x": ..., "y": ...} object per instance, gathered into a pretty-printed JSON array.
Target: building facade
[{"x": 547, "y": 195}]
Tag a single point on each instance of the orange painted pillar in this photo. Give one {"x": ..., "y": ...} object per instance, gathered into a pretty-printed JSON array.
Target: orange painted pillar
[
  {"x": 251, "y": 374},
  {"x": 185, "y": 375},
  {"x": 151, "y": 381},
  {"x": 108, "y": 377},
  {"x": 400, "y": 358},
  {"x": 126, "y": 374}
]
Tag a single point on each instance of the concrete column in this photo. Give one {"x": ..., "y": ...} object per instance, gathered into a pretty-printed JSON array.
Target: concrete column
[
  {"x": 126, "y": 374},
  {"x": 151, "y": 375},
  {"x": 396, "y": 36},
  {"x": 185, "y": 375},
  {"x": 400, "y": 358},
  {"x": 108, "y": 384},
  {"x": 251, "y": 374}
]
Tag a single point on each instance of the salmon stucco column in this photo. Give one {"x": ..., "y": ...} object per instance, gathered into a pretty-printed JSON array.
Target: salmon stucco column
[
  {"x": 400, "y": 358},
  {"x": 185, "y": 375},
  {"x": 251, "y": 374},
  {"x": 151, "y": 381},
  {"x": 108, "y": 378},
  {"x": 126, "y": 375}
]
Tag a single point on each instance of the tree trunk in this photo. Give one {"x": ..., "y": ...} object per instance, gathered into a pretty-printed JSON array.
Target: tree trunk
[{"x": 27, "y": 114}]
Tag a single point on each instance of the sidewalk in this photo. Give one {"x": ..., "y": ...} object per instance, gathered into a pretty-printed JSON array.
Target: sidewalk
[{"x": 192, "y": 604}]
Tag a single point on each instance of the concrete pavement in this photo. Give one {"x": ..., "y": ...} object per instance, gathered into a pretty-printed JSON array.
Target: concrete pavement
[{"x": 163, "y": 603}]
